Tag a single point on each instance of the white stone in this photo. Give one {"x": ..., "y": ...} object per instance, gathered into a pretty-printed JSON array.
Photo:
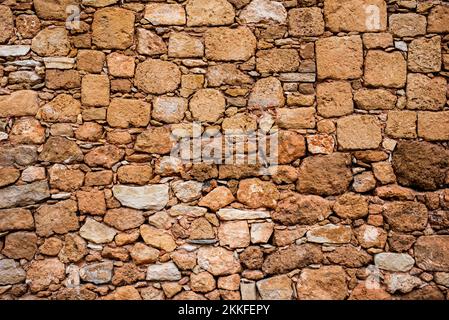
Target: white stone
[
  {"x": 97, "y": 273},
  {"x": 163, "y": 272},
  {"x": 59, "y": 63},
  {"x": 236, "y": 214},
  {"x": 97, "y": 232},
  {"x": 402, "y": 282},
  {"x": 32, "y": 174},
  {"x": 14, "y": 51},
  {"x": 398, "y": 262},
  {"x": 185, "y": 210},
  {"x": 3, "y": 136},
  {"x": 261, "y": 232},
  {"x": 151, "y": 197},
  {"x": 400, "y": 45},
  {"x": 187, "y": 191},
  {"x": 248, "y": 290},
  {"x": 165, "y": 14},
  {"x": 264, "y": 11}
]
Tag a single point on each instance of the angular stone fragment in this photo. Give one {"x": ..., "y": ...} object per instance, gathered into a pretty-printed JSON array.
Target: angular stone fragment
[
  {"x": 20, "y": 245},
  {"x": 182, "y": 45},
  {"x": 207, "y": 105},
  {"x": 349, "y": 256},
  {"x": 359, "y": 132},
  {"x": 142, "y": 254},
  {"x": 302, "y": 209},
  {"x": 218, "y": 261},
  {"x": 256, "y": 193},
  {"x": 397, "y": 262},
  {"x": 165, "y": 14},
  {"x": 97, "y": 273},
  {"x": 330, "y": 233},
  {"x": 325, "y": 283},
  {"x": 97, "y": 232},
  {"x": 74, "y": 249},
  {"x": 261, "y": 232},
  {"x": 8, "y": 175},
  {"x": 51, "y": 42},
  {"x": 63, "y": 108},
  {"x": 370, "y": 236},
  {"x": 401, "y": 282},
  {"x": 385, "y": 69},
  {"x": 229, "y": 74},
  {"x": 209, "y": 13},
  {"x": 425, "y": 55},
  {"x": 406, "y": 216},
  {"x": 104, "y": 156},
  {"x": 42, "y": 273},
  {"x": 325, "y": 175},
  {"x": 275, "y": 288},
  {"x": 151, "y": 197},
  {"x": 123, "y": 113},
  {"x": 10, "y": 272},
  {"x": 355, "y": 15},
  {"x": 420, "y": 164},
  {"x": 433, "y": 126},
  {"x": 407, "y": 24},
  {"x": 226, "y": 44},
  {"x": 201, "y": 229},
  {"x": 157, "y": 76},
  {"x": 160, "y": 239},
  {"x": 121, "y": 65},
  {"x": 234, "y": 234},
  {"x": 163, "y": 272},
  {"x": 432, "y": 252},
  {"x": 22, "y": 195},
  {"x": 149, "y": 43},
  {"x": 217, "y": 198},
  {"x": 424, "y": 93},
  {"x": 19, "y": 103},
  {"x": 294, "y": 257},
  {"x": 124, "y": 219},
  {"x": 334, "y": 99},
  {"x": 58, "y": 218},
  {"x": 113, "y": 28},
  {"x": 347, "y": 50},
  {"x": 277, "y": 60},
  {"x": 263, "y": 11}
]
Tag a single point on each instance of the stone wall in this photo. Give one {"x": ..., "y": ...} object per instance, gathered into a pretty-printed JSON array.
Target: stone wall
[{"x": 93, "y": 206}]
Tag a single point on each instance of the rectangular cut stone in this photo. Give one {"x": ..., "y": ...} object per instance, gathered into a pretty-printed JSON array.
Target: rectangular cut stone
[
  {"x": 401, "y": 124},
  {"x": 358, "y": 132},
  {"x": 433, "y": 126},
  {"x": 298, "y": 118},
  {"x": 163, "y": 14},
  {"x": 236, "y": 214},
  {"x": 14, "y": 51},
  {"x": 16, "y": 196},
  {"x": 59, "y": 62},
  {"x": 297, "y": 77},
  {"x": 330, "y": 233},
  {"x": 151, "y": 197},
  {"x": 355, "y": 15}
]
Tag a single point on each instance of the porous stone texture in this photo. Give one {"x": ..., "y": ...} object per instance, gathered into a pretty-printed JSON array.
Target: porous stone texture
[{"x": 224, "y": 149}]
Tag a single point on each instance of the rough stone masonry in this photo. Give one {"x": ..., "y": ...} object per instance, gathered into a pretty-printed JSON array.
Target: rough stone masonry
[{"x": 92, "y": 205}]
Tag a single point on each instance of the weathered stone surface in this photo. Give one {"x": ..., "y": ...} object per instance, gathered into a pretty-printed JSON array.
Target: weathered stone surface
[
  {"x": 51, "y": 42},
  {"x": 135, "y": 174},
  {"x": 370, "y": 236},
  {"x": 436, "y": 21},
  {"x": 113, "y": 28},
  {"x": 142, "y": 254},
  {"x": 8, "y": 175},
  {"x": 420, "y": 164},
  {"x": 406, "y": 216},
  {"x": 43, "y": 273},
  {"x": 329, "y": 233},
  {"x": 163, "y": 272},
  {"x": 358, "y": 132},
  {"x": 305, "y": 22},
  {"x": 234, "y": 234},
  {"x": 16, "y": 219},
  {"x": 97, "y": 273},
  {"x": 347, "y": 50},
  {"x": 293, "y": 257},
  {"x": 19, "y": 103},
  {"x": 155, "y": 140},
  {"x": 298, "y": 118},
  {"x": 225, "y": 44},
  {"x": 275, "y": 288},
  {"x": 124, "y": 219},
  {"x": 209, "y": 13},
  {"x": 165, "y": 14},
  {"x": 263, "y": 11},
  {"x": 401, "y": 282},
  {"x": 157, "y": 76},
  {"x": 424, "y": 93},
  {"x": 326, "y": 283},
  {"x": 385, "y": 69},
  {"x": 221, "y": 74},
  {"x": 6, "y": 23},
  {"x": 236, "y": 214},
  {"x": 207, "y": 105},
  {"x": 364, "y": 292},
  {"x": 302, "y": 209},
  {"x": 267, "y": 93},
  {"x": 104, "y": 156},
  {"x": 375, "y": 99},
  {"x": 152, "y": 197},
  {"x": 334, "y": 99},
  {"x": 10, "y": 272},
  {"x": 325, "y": 175},
  {"x": 61, "y": 150},
  {"x": 20, "y": 245},
  {"x": 425, "y": 55},
  {"x": 218, "y": 261},
  {"x": 351, "y": 205},
  {"x": 261, "y": 232},
  {"x": 216, "y": 199},
  {"x": 407, "y": 24},
  {"x": 397, "y": 262},
  {"x": 95, "y": 90},
  {"x": 256, "y": 193},
  {"x": 65, "y": 179},
  {"x": 182, "y": 45},
  {"x": 432, "y": 252},
  {"x": 74, "y": 248},
  {"x": 349, "y": 256},
  {"x": 63, "y": 108},
  {"x": 24, "y": 194},
  {"x": 121, "y": 65},
  {"x": 277, "y": 60},
  {"x": 355, "y": 15},
  {"x": 123, "y": 113},
  {"x": 432, "y": 126},
  {"x": 59, "y": 218},
  {"x": 52, "y": 9},
  {"x": 97, "y": 232},
  {"x": 401, "y": 124},
  {"x": 149, "y": 43},
  {"x": 160, "y": 239}
]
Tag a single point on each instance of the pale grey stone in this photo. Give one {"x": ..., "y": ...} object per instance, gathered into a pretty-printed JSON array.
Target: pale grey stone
[
  {"x": 398, "y": 262},
  {"x": 11, "y": 272},
  {"x": 151, "y": 197},
  {"x": 97, "y": 273},
  {"x": 17, "y": 196},
  {"x": 163, "y": 272},
  {"x": 14, "y": 51},
  {"x": 236, "y": 214},
  {"x": 97, "y": 232}
]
